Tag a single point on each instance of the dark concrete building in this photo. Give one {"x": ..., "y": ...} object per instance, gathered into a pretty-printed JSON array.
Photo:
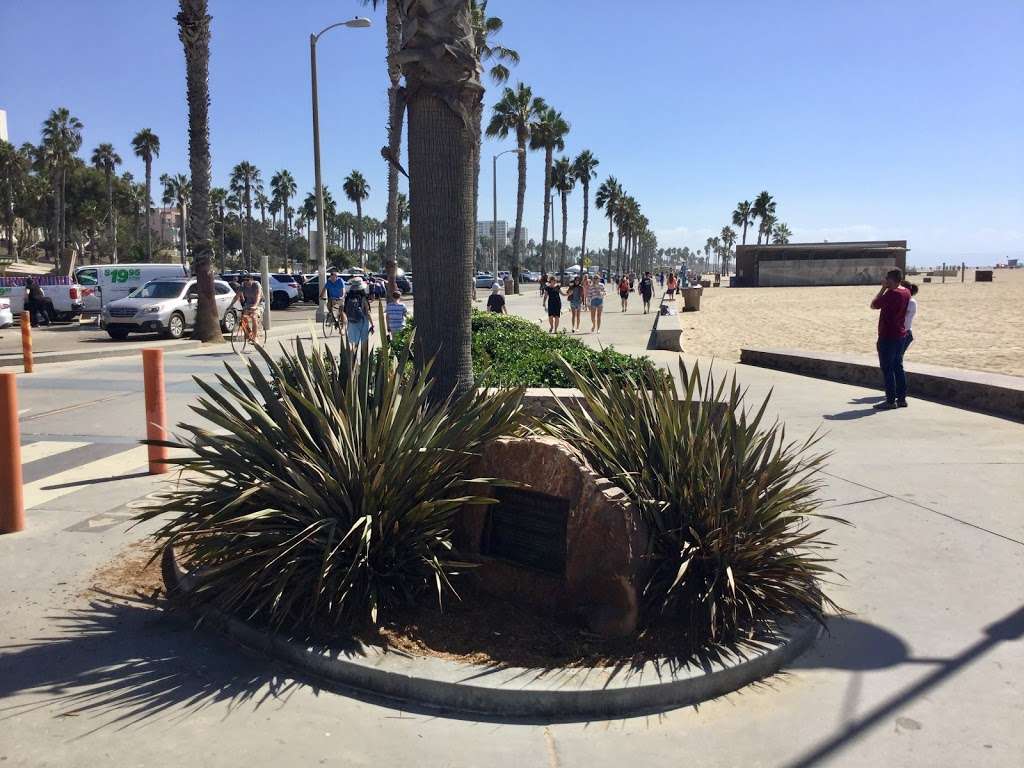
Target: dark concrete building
[{"x": 762, "y": 266}]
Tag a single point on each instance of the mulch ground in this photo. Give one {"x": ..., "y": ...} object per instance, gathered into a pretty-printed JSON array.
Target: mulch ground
[{"x": 475, "y": 630}]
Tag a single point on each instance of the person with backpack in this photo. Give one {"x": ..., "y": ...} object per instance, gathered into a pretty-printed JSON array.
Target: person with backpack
[
  {"x": 624, "y": 292},
  {"x": 647, "y": 290},
  {"x": 35, "y": 304},
  {"x": 356, "y": 307}
]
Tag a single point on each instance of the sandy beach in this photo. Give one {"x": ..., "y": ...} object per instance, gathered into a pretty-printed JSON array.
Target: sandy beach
[{"x": 978, "y": 326}]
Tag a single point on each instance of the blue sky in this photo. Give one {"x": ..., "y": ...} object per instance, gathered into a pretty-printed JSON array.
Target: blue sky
[{"x": 864, "y": 120}]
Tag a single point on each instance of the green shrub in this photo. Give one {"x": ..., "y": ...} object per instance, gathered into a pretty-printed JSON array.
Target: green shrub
[
  {"x": 326, "y": 495},
  {"x": 512, "y": 352},
  {"x": 730, "y": 504}
]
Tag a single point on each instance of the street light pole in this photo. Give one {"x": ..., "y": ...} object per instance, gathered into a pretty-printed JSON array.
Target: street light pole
[
  {"x": 494, "y": 227},
  {"x": 321, "y": 245}
]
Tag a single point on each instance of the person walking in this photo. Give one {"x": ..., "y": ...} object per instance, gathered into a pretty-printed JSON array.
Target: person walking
[
  {"x": 576, "y": 296},
  {"x": 671, "y": 285},
  {"x": 356, "y": 306},
  {"x": 891, "y": 301},
  {"x": 553, "y": 303},
  {"x": 395, "y": 313},
  {"x": 647, "y": 290},
  {"x": 661, "y": 279},
  {"x": 496, "y": 302},
  {"x": 543, "y": 286},
  {"x": 595, "y": 300},
  {"x": 908, "y": 320},
  {"x": 624, "y": 292}
]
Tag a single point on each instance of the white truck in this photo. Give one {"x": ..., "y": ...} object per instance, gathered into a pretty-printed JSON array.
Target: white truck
[
  {"x": 102, "y": 284},
  {"x": 63, "y": 295}
]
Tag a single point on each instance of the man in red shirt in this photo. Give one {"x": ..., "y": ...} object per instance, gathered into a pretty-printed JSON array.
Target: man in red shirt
[{"x": 892, "y": 301}]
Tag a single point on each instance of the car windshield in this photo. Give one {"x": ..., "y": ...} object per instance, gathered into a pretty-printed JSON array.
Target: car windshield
[{"x": 157, "y": 290}]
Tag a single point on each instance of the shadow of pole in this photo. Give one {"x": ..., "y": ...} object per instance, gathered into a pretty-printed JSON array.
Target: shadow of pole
[{"x": 1009, "y": 628}]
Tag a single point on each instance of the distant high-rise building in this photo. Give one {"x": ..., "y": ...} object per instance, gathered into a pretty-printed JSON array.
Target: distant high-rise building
[
  {"x": 524, "y": 236},
  {"x": 3, "y": 125},
  {"x": 486, "y": 229}
]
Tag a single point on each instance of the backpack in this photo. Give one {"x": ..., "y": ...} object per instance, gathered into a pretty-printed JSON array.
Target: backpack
[{"x": 354, "y": 307}]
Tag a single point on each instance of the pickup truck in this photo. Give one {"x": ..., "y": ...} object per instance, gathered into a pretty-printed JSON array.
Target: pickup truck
[{"x": 63, "y": 296}]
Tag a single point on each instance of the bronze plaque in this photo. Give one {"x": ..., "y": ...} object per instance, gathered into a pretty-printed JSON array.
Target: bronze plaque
[{"x": 527, "y": 528}]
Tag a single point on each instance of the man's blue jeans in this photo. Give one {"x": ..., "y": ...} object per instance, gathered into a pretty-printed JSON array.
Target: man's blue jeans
[{"x": 890, "y": 360}]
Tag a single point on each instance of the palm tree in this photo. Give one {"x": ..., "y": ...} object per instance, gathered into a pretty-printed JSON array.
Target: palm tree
[
  {"x": 146, "y": 146},
  {"x": 583, "y": 170},
  {"x": 728, "y": 237},
  {"x": 14, "y": 170},
  {"x": 194, "y": 33},
  {"x": 608, "y": 195},
  {"x": 763, "y": 209},
  {"x": 441, "y": 65},
  {"x": 308, "y": 212},
  {"x": 283, "y": 187},
  {"x": 743, "y": 217},
  {"x": 548, "y": 133},
  {"x": 105, "y": 159},
  {"x": 403, "y": 214},
  {"x": 177, "y": 191},
  {"x": 781, "y": 234},
  {"x": 563, "y": 179},
  {"x": 218, "y": 208},
  {"x": 516, "y": 112},
  {"x": 62, "y": 138},
  {"x": 357, "y": 190},
  {"x": 484, "y": 28},
  {"x": 245, "y": 177}
]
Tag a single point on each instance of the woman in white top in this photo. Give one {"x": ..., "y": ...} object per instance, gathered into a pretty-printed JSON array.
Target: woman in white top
[
  {"x": 595, "y": 291},
  {"x": 908, "y": 321}
]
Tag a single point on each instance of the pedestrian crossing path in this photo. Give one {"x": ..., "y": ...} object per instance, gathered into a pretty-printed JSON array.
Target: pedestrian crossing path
[{"x": 52, "y": 469}]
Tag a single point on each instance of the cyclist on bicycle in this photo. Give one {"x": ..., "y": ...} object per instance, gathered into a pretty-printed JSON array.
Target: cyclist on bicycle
[
  {"x": 250, "y": 296},
  {"x": 334, "y": 290}
]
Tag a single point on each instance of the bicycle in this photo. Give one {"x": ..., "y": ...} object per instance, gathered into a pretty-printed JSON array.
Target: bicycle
[
  {"x": 248, "y": 332},
  {"x": 332, "y": 320}
]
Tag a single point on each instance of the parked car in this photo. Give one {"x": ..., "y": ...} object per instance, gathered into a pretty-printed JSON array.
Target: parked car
[
  {"x": 104, "y": 284},
  {"x": 484, "y": 279},
  {"x": 401, "y": 280},
  {"x": 285, "y": 290},
  {"x": 6, "y": 316},
  {"x": 166, "y": 306}
]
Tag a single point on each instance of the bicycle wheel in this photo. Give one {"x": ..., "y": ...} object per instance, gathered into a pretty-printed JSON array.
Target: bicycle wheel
[
  {"x": 238, "y": 336},
  {"x": 258, "y": 334},
  {"x": 328, "y": 324}
]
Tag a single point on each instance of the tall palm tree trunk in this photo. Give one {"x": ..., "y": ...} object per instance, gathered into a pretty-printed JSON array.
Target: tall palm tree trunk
[
  {"x": 610, "y": 238},
  {"x": 149, "y": 197},
  {"x": 520, "y": 202},
  {"x": 565, "y": 226},
  {"x": 396, "y": 116},
  {"x": 194, "y": 32},
  {"x": 586, "y": 220},
  {"x": 618, "y": 251},
  {"x": 547, "y": 209},
  {"x": 359, "y": 233}
]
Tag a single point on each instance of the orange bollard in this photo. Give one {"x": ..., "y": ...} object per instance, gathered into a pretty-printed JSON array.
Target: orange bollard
[
  {"x": 26, "y": 339},
  {"x": 156, "y": 408},
  {"x": 12, "y": 498}
]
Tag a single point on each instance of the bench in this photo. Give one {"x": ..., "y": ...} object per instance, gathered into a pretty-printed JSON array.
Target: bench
[{"x": 667, "y": 332}]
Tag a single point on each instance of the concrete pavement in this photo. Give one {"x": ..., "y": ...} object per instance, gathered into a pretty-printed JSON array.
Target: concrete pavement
[{"x": 926, "y": 671}]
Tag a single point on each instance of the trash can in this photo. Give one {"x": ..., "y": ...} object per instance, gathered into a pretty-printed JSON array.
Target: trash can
[
  {"x": 509, "y": 286},
  {"x": 691, "y": 299}
]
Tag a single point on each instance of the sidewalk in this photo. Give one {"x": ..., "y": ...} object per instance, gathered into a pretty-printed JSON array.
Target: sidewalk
[{"x": 926, "y": 671}]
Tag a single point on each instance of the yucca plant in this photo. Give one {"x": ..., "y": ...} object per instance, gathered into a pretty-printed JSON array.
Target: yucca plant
[
  {"x": 735, "y": 544},
  {"x": 324, "y": 496}
]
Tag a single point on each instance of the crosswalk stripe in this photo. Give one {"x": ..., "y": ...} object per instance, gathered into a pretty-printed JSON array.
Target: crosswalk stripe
[
  {"x": 45, "y": 448},
  {"x": 53, "y": 487}
]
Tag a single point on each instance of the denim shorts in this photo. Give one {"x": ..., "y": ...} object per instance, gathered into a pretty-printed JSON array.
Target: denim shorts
[
  {"x": 575, "y": 305},
  {"x": 597, "y": 301}
]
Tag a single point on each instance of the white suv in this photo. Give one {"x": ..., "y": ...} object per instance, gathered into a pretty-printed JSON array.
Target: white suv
[{"x": 166, "y": 306}]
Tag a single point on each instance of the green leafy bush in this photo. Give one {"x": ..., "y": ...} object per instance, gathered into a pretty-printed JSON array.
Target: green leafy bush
[
  {"x": 730, "y": 505},
  {"x": 512, "y": 352},
  {"x": 326, "y": 495}
]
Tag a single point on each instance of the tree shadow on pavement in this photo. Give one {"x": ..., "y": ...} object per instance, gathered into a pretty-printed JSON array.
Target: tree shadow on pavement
[{"x": 125, "y": 662}]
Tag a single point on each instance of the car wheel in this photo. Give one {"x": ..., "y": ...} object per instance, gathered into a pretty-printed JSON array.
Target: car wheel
[
  {"x": 175, "y": 326},
  {"x": 118, "y": 334},
  {"x": 229, "y": 322}
]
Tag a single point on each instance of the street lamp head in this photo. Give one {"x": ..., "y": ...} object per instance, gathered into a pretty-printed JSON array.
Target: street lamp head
[{"x": 359, "y": 22}]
